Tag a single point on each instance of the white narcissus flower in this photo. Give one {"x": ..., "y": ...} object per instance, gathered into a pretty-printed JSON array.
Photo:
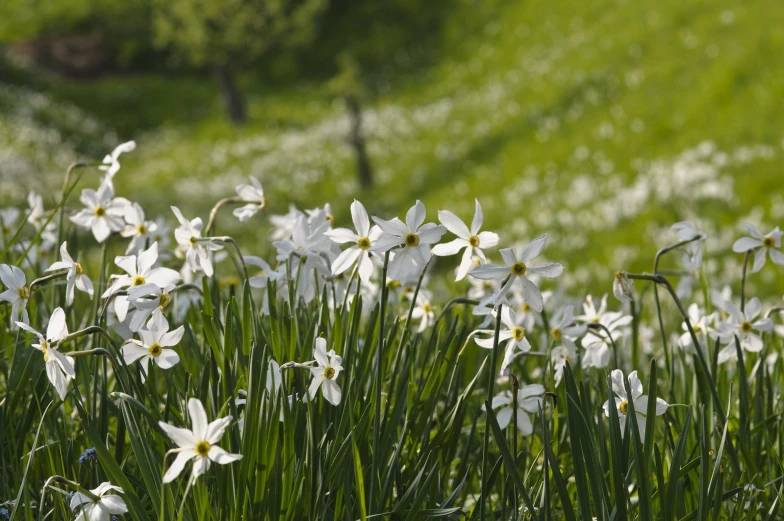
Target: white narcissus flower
[
  {"x": 283, "y": 225},
  {"x": 17, "y": 293},
  {"x": 686, "y": 231},
  {"x": 329, "y": 367},
  {"x": 364, "y": 238},
  {"x": 700, "y": 324},
  {"x": 513, "y": 335},
  {"x": 197, "y": 253},
  {"x": 516, "y": 266},
  {"x": 111, "y": 163},
  {"x": 559, "y": 356},
  {"x": 423, "y": 311},
  {"x": 762, "y": 245},
  {"x": 105, "y": 508},
  {"x": 75, "y": 278},
  {"x": 147, "y": 298},
  {"x": 639, "y": 400},
  {"x": 104, "y": 213},
  {"x": 415, "y": 238},
  {"x": 153, "y": 344},
  {"x": 199, "y": 444},
  {"x": 472, "y": 240},
  {"x": 529, "y": 399},
  {"x": 59, "y": 367},
  {"x": 37, "y": 214},
  {"x": 137, "y": 228},
  {"x": 742, "y": 324},
  {"x": 564, "y": 329},
  {"x": 252, "y": 194},
  {"x": 622, "y": 287}
]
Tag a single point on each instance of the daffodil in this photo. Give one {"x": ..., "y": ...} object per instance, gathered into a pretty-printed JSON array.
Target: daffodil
[
  {"x": 761, "y": 245},
  {"x": 513, "y": 335},
  {"x": 75, "y": 278},
  {"x": 17, "y": 293},
  {"x": 529, "y": 399},
  {"x": 199, "y": 444},
  {"x": 639, "y": 400},
  {"x": 59, "y": 367},
  {"x": 517, "y": 266},
  {"x": 197, "y": 253},
  {"x": 325, "y": 374},
  {"x": 137, "y": 228},
  {"x": 105, "y": 508},
  {"x": 471, "y": 239},
  {"x": 253, "y": 194},
  {"x": 362, "y": 241},
  {"x": 152, "y": 347},
  {"x": 104, "y": 213},
  {"x": 415, "y": 238},
  {"x": 745, "y": 326}
]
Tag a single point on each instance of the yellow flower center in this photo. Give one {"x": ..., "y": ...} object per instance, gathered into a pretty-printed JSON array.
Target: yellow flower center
[
  {"x": 525, "y": 307},
  {"x": 746, "y": 327},
  {"x": 24, "y": 292},
  {"x": 138, "y": 280},
  {"x": 193, "y": 241},
  {"x": 412, "y": 240},
  {"x": 623, "y": 407},
  {"x": 363, "y": 243},
  {"x": 329, "y": 373},
  {"x": 555, "y": 333},
  {"x": 202, "y": 449},
  {"x": 768, "y": 242},
  {"x": 78, "y": 268},
  {"x": 155, "y": 350},
  {"x": 426, "y": 307},
  {"x": 165, "y": 300},
  {"x": 518, "y": 333},
  {"x": 392, "y": 284},
  {"x": 100, "y": 211},
  {"x": 473, "y": 241},
  {"x": 264, "y": 202},
  {"x": 331, "y": 220},
  {"x": 518, "y": 268},
  {"x": 595, "y": 320},
  {"x": 142, "y": 229},
  {"x": 45, "y": 349}
]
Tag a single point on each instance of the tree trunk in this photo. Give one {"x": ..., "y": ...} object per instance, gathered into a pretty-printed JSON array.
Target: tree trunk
[
  {"x": 357, "y": 139},
  {"x": 232, "y": 95}
]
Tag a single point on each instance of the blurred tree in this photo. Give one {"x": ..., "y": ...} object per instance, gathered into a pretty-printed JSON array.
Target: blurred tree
[
  {"x": 227, "y": 35},
  {"x": 348, "y": 85}
]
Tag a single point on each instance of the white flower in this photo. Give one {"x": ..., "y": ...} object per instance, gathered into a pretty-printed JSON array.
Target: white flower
[
  {"x": 529, "y": 399},
  {"x": 17, "y": 293},
  {"x": 415, "y": 238},
  {"x": 762, "y": 244},
  {"x": 513, "y": 335},
  {"x": 59, "y": 367},
  {"x": 622, "y": 287},
  {"x": 692, "y": 263},
  {"x": 107, "y": 506},
  {"x": 199, "y": 444},
  {"x": 252, "y": 194},
  {"x": 559, "y": 356},
  {"x": 111, "y": 163},
  {"x": 472, "y": 240},
  {"x": 104, "y": 213},
  {"x": 147, "y": 298},
  {"x": 197, "y": 253},
  {"x": 283, "y": 225},
  {"x": 307, "y": 241},
  {"x": 75, "y": 278},
  {"x": 423, "y": 311},
  {"x": 8, "y": 218},
  {"x": 152, "y": 347},
  {"x": 597, "y": 345},
  {"x": 564, "y": 329},
  {"x": 137, "y": 228},
  {"x": 639, "y": 400},
  {"x": 362, "y": 240},
  {"x": 37, "y": 214},
  {"x": 686, "y": 231},
  {"x": 516, "y": 266},
  {"x": 594, "y": 315},
  {"x": 329, "y": 367},
  {"x": 743, "y": 326},
  {"x": 700, "y": 324}
]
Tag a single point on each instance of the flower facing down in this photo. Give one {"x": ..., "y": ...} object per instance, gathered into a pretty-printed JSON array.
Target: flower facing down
[
  {"x": 529, "y": 398},
  {"x": 639, "y": 400},
  {"x": 108, "y": 504},
  {"x": 59, "y": 367},
  {"x": 329, "y": 367},
  {"x": 75, "y": 278},
  {"x": 199, "y": 444},
  {"x": 253, "y": 194}
]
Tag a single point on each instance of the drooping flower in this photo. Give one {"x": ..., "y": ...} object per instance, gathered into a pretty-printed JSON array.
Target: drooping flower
[
  {"x": 622, "y": 287},
  {"x": 199, "y": 444},
  {"x": 17, "y": 293},
  {"x": 362, "y": 240},
  {"x": 105, "y": 508},
  {"x": 686, "y": 231},
  {"x": 415, "y": 238},
  {"x": 59, "y": 367},
  {"x": 472, "y": 240},
  {"x": 514, "y": 335},
  {"x": 152, "y": 347},
  {"x": 253, "y": 194},
  {"x": 111, "y": 163},
  {"x": 104, "y": 213},
  {"x": 329, "y": 367},
  {"x": 529, "y": 399},
  {"x": 742, "y": 324},
  {"x": 516, "y": 266},
  {"x": 137, "y": 228},
  {"x": 197, "y": 253},
  {"x": 761, "y": 245},
  {"x": 639, "y": 400},
  {"x": 75, "y": 278}
]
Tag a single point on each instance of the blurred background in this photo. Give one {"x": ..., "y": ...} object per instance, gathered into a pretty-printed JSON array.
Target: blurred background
[{"x": 600, "y": 122}]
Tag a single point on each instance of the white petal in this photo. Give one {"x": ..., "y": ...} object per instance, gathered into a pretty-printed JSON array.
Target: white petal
[
  {"x": 415, "y": 216},
  {"x": 198, "y": 418},
  {"x": 360, "y": 218},
  {"x": 221, "y": 457},
  {"x": 177, "y": 465},
  {"x": 533, "y": 248},
  {"x": 454, "y": 224}
]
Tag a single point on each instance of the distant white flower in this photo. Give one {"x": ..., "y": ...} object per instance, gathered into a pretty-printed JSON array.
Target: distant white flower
[
  {"x": 415, "y": 238},
  {"x": 472, "y": 240},
  {"x": 59, "y": 367},
  {"x": 362, "y": 240},
  {"x": 111, "y": 163},
  {"x": 283, "y": 225},
  {"x": 743, "y": 326},
  {"x": 622, "y": 287},
  {"x": 252, "y": 194},
  {"x": 8, "y": 218},
  {"x": 700, "y": 324},
  {"x": 423, "y": 310},
  {"x": 147, "y": 299},
  {"x": 329, "y": 367},
  {"x": 686, "y": 231},
  {"x": 17, "y": 293},
  {"x": 105, "y": 509},
  {"x": 762, "y": 245},
  {"x": 199, "y": 444},
  {"x": 75, "y": 278},
  {"x": 529, "y": 399},
  {"x": 639, "y": 400},
  {"x": 152, "y": 346},
  {"x": 37, "y": 214},
  {"x": 137, "y": 228},
  {"x": 197, "y": 253},
  {"x": 516, "y": 266},
  {"x": 513, "y": 335},
  {"x": 559, "y": 356},
  {"x": 104, "y": 213},
  {"x": 692, "y": 264},
  {"x": 597, "y": 344}
]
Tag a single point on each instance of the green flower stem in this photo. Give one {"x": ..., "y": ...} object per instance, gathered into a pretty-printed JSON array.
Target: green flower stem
[
  {"x": 214, "y": 212},
  {"x": 379, "y": 375},
  {"x": 490, "y": 391}
]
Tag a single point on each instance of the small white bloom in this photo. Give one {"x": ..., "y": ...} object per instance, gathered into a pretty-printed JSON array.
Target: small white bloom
[
  {"x": 283, "y": 225},
  {"x": 197, "y": 253},
  {"x": 17, "y": 293},
  {"x": 700, "y": 324},
  {"x": 622, "y": 287},
  {"x": 111, "y": 163},
  {"x": 423, "y": 311},
  {"x": 513, "y": 335},
  {"x": 152, "y": 346},
  {"x": 743, "y": 326},
  {"x": 75, "y": 278},
  {"x": 472, "y": 240},
  {"x": 762, "y": 245},
  {"x": 252, "y": 194},
  {"x": 639, "y": 400},
  {"x": 364, "y": 238},
  {"x": 37, "y": 216},
  {"x": 107, "y": 506},
  {"x": 529, "y": 399},
  {"x": 59, "y": 367},
  {"x": 137, "y": 228},
  {"x": 104, "y": 213},
  {"x": 559, "y": 356},
  {"x": 329, "y": 367}
]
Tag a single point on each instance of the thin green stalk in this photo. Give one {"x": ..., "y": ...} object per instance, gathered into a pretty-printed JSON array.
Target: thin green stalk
[
  {"x": 490, "y": 391},
  {"x": 374, "y": 476}
]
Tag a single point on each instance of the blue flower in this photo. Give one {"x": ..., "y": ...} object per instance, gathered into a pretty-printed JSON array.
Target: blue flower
[{"x": 89, "y": 455}]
